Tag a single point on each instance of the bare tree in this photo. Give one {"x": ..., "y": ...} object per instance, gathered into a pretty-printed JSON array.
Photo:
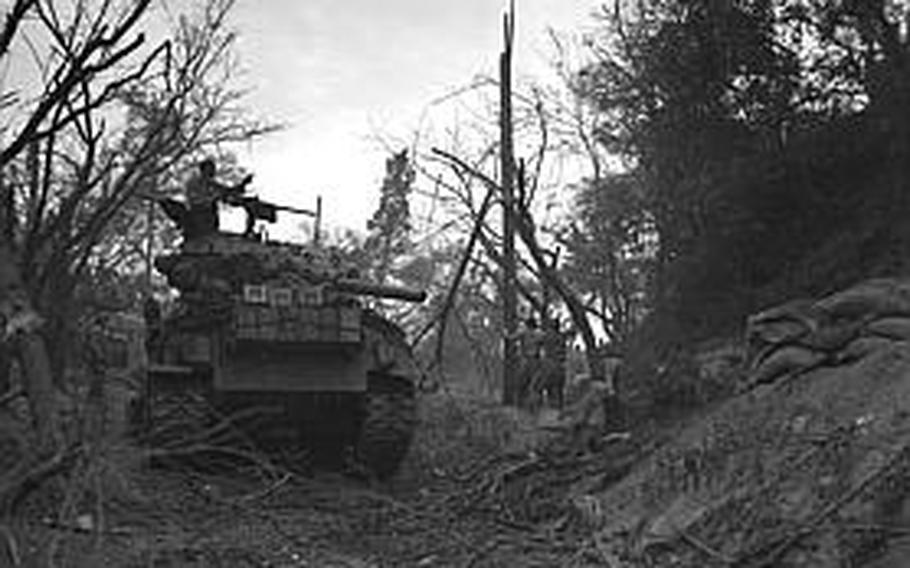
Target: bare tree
[{"x": 113, "y": 117}]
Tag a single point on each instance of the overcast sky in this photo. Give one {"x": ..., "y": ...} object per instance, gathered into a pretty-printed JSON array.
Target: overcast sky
[{"x": 341, "y": 71}]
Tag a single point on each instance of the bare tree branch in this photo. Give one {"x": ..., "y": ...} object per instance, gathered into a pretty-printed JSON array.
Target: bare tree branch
[
  {"x": 72, "y": 73},
  {"x": 12, "y": 21}
]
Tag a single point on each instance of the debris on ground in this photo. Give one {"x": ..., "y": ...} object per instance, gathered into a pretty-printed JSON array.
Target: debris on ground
[{"x": 806, "y": 466}]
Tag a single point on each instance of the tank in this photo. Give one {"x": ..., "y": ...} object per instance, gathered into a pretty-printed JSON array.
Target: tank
[{"x": 276, "y": 339}]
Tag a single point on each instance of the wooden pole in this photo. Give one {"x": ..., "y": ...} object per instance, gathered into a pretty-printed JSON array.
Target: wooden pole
[
  {"x": 7, "y": 209},
  {"x": 7, "y": 216},
  {"x": 511, "y": 379},
  {"x": 317, "y": 225},
  {"x": 149, "y": 246}
]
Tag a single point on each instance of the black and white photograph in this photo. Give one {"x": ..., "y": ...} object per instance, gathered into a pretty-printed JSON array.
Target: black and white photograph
[{"x": 479, "y": 284}]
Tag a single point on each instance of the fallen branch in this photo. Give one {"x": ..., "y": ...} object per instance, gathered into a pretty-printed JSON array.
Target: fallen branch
[
  {"x": 11, "y": 395},
  {"x": 80, "y": 529},
  {"x": 16, "y": 485},
  {"x": 701, "y": 546},
  {"x": 263, "y": 493},
  {"x": 12, "y": 547},
  {"x": 459, "y": 273},
  {"x": 890, "y": 529}
]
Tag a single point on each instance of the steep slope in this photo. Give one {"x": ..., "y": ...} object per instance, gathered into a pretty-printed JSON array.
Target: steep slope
[{"x": 809, "y": 466}]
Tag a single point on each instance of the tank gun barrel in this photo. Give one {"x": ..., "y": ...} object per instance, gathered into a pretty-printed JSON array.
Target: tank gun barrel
[{"x": 390, "y": 291}]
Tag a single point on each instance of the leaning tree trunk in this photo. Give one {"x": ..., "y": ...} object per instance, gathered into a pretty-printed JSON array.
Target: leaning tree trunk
[
  {"x": 576, "y": 309},
  {"x": 614, "y": 411}
]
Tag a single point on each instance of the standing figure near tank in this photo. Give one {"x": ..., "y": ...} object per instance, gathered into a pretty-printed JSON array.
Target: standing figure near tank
[
  {"x": 553, "y": 368},
  {"x": 530, "y": 352}
]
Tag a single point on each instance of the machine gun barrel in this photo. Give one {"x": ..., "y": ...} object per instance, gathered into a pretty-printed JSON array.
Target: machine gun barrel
[
  {"x": 404, "y": 293},
  {"x": 264, "y": 209},
  {"x": 292, "y": 209}
]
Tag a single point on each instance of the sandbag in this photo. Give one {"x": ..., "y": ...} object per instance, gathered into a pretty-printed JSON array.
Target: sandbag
[
  {"x": 880, "y": 297},
  {"x": 893, "y": 327},
  {"x": 782, "y": 361},
  {"x": 794, "y": 309},
  {"x": 863, "y": 347},
  {"x": 777, "y": 331},
  {"x": 832, "y": 337}
]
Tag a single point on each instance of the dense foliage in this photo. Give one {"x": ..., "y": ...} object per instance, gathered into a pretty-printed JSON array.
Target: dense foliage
[
  {"x": 766, "y": 143},
  {"x": 390, "y": 226}
]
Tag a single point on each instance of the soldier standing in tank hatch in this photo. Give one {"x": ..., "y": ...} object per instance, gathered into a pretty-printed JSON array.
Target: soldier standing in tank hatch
[
  {"x": 203, "y": 192},
  {"x": 199, "y": 216}
]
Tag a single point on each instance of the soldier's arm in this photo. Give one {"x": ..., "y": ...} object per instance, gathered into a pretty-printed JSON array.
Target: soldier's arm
[{"x": 227, "y": 191}]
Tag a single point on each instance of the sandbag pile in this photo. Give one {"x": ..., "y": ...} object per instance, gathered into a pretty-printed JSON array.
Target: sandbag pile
[
  {"x": 810, "y": 470},
  {"x": 841, "y": 328}
]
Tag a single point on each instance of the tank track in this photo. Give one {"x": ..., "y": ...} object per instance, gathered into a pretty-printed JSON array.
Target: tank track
[
  {"x": 177, "y": 419},
  {"x": 172, "y": 417},
  {"x": 185, "y": 428},
  {"x": 390, "y": 406},
  {"x": 390, "y": 417}
]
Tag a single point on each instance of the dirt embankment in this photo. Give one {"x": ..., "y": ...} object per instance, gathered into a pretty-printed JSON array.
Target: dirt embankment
[{"x": 806, "y": 467}]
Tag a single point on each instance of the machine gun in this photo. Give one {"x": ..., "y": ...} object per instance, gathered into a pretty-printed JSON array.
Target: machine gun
[{"x": 257, "y": 209}]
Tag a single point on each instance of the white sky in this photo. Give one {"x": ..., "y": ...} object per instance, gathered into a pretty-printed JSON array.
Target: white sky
[{"x": 341, "y": 72}]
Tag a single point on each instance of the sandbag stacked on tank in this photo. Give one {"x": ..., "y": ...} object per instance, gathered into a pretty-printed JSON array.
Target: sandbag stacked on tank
[
  {"x": 838, "y": 329},
  {"x": 208, "y": 274}
]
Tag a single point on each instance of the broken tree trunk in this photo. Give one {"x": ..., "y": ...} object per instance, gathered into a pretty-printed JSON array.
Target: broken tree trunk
[{"x": 511, "y": 379}]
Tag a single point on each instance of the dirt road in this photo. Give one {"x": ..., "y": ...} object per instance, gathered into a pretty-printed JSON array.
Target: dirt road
[
  {"x": 189, "y": 519},
  {"x": 475, "y": 492}
]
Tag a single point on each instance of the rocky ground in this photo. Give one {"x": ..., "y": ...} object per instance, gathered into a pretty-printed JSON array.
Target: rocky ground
[{"x": 322, "y": 521}]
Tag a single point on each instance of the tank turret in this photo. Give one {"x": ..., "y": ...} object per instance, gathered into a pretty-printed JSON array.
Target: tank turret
[{"x": 225, "y": 263}]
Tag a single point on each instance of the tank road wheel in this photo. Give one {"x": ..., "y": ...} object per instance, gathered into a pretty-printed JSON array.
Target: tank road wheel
[
  {"x": 390, "y": 405},
  {"x": 390, "y": 417}
]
